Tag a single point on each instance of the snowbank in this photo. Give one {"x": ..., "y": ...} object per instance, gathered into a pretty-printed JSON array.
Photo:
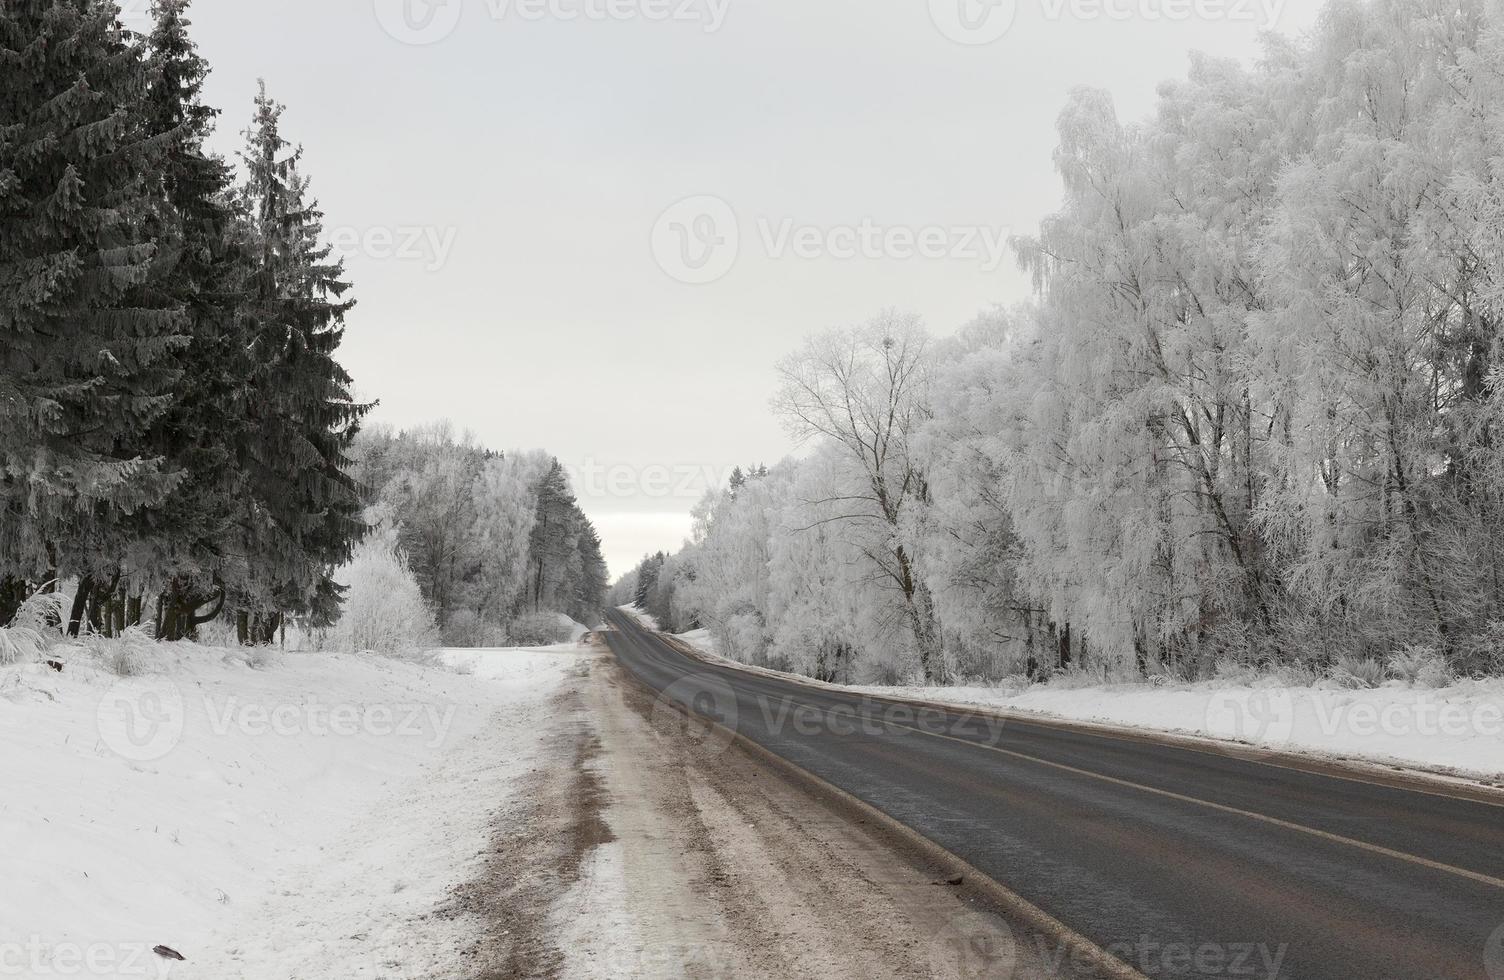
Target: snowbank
[
  {"x": 282, "y": 820},
  {"x": 576, "y": 629},
  {"x": 1458, "y": 729}
]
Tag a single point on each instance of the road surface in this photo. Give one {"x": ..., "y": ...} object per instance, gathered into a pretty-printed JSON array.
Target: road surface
[{"x": 1178, "y": 862}]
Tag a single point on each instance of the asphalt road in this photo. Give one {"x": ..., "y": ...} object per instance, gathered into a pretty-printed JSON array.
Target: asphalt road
[{"x": 1181, "y": 863}]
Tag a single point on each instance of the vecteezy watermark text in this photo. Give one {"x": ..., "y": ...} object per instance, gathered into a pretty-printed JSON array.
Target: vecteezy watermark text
[
  {"x": 709, "y": 14},
  {"x": 422, "y": 22},
  {"x": 698, "y": 240},
  {"x": 1257, "y": 961},
  {"x": 593, "y": 479},
  {"x": 424, "y": 244},
  {"x": 34, "y": 958},
  {"x": 144, "y": 719},
  {"x": 429, "y": 722},
  {"x": 877, "y": 718},
  {"x": 706, "y": 709},
  {"x": 978, "y": 22}
]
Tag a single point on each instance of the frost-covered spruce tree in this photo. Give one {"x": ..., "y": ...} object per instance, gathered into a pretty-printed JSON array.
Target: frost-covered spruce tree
[
  {"x": 566, "y": 571},
  {"x": 85, "y": 364},
  {"x": 590, "y": 588},
  {"x": 207, "y": 270},
  {"x": 553, "y": 541},
  {"x": 303, "y": 513}
]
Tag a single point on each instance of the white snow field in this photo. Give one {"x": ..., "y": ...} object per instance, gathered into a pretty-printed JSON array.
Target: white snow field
[
  {"x": 301, "y": 817},
  {"x": 1453, "y": 730}
]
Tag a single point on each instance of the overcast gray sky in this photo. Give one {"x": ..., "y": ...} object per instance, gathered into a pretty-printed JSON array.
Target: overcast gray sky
[{"x": 594, "y": 226}]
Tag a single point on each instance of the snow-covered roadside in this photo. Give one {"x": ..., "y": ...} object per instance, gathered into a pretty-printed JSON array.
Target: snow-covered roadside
[
  {"x": 292, "y": 819},
  {"x": 651, "y": 622},
  {"x": 1456, "y": 730}
]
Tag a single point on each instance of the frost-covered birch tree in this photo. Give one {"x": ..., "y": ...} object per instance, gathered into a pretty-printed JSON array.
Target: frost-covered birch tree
[{"x": 865, "y": 390}]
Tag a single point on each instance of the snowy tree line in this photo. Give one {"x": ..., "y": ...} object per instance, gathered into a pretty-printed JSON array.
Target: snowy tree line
[
  {"x": 1251, "y": 419},
  {"x": 175, "y": 421},
  {"x": 496, "y": 542},
  {"x": 179, "y": 444}
]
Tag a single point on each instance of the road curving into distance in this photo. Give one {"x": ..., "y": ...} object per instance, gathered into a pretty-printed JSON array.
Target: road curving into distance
[{"x": 1178, "y": 862}]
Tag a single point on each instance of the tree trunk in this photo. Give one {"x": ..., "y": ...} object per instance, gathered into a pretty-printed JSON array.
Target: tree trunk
[
  {"x": 196, "y": 619},
  {"x": 80, "y": 605},
  {"x": 98, "y": 602},
  {"x": 12, "y": 594}
]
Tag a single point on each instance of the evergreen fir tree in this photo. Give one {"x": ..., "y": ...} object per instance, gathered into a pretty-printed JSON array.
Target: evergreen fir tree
[
  {"x": 303, "y": 512},
  {"x": 85, "y": 347},
  {"x": 647, "y": 577},
  {"x": 553, "y": 542},
  {"x": 590, "y": 591},
  {"x": 207, "y": 266}
]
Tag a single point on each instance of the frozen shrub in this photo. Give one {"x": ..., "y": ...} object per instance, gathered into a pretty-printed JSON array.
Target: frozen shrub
[
  {"x": 384, "y": 609},
  {"x": 130, "y": 654},
  {"x": 462, "y": 629},
  {"x": 43, "y": 614},
  {"x": 1356, "y": 673},
  {"x": 1422, "y": 666},
  {"x": 1485, "y": 655},
  {"x": 538, "y": 629},
  {"x": 881, "y": 673},
  {"x": 34, "y": 629},
  {"x": 744, "y": 637},
  {"x": 20, "y": 643},
  {"x": 1232, "y": 671},
  {"x": 219, "y": 633},
  {"x": 1295, "y": 675},
  {"x": 1077, "y": 676}
]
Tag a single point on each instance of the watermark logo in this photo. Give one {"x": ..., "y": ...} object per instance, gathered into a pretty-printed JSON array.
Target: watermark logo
[
  {"x": 697, "y": 240},
  {"x": 1264, "y": 719},
  {"x": 701, "y": 708},
  {"x": 1493, "y": 955},
  {"x": 141, "y": 718},
  {"x": 981, "y": 22},
  {"x": 974, "y": 951},
  {"x": 419, "y": 22},
  {"x": 425, "y": 22},
  {"x": 35, "y": 958},
  {"x": 878, "y": 719},
  {"x": 1151, "y": 957},
  {"x": 710, "y": 15},
  {"x": 973, "y": 22},
  {"x": 424, "y": 245},
  {"x": 594, "y": 479},
  {"x": 429, "y": 723}
]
